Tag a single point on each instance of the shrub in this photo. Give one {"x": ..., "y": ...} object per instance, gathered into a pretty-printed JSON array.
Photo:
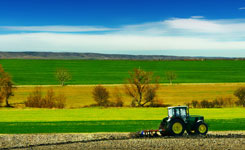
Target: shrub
[
  {"x": 194, "y": 103},
  {"x": 49, "y": 100},
  {"x": 216, "y": 103},
  {"x": 224, "y": 102},
  {"x": 35, "y": 99},
  {"x": 119, "y": 103},
  {"x": 60, "y": 101},
  {"x": 117, "y": 96},
  {"x": 101, "y": 95},
  {"x": 228, "y": 102},
  {"x": 188, "y": 104},
  {"x": 206, "y": 104},
  {"x": 240, "y": 94}
]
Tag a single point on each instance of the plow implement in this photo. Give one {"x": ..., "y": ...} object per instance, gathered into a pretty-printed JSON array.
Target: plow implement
[{"x": 151, "y": 133}]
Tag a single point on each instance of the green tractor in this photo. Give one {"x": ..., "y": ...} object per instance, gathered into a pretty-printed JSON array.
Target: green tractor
[{"x": 178, "y": 121}]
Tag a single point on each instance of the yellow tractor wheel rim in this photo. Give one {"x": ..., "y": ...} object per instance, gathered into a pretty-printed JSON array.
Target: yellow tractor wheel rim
[
  {"x": 177, "y": 128},
  {"x": 202, "y": 128}
]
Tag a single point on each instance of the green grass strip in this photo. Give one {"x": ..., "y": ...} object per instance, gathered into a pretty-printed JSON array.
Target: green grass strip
[
  {"x": 41, "y": 72},
  {"x": 106, "y": 126}
]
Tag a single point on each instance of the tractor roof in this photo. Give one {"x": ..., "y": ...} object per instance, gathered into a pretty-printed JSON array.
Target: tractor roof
[{"x": 178, "y": 107}]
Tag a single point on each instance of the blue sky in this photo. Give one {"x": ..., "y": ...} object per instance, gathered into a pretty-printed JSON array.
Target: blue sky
[{"x": 166, "y": 27}]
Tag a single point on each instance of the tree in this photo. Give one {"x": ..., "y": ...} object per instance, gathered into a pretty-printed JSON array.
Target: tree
[
  {"x": 240, "y": 94},
  {"x": 101, "y": 95},
  {"x": 140, "y": 88},
  {"x": 170, "y": 76},
  {"x": 6, "y": 86},
  {"x": 62, "y": 75}
]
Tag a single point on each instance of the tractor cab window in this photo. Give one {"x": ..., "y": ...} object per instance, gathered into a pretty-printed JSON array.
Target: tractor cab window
[
  {"x": 170, "y": 112},
  {"x": 183, "y": 112},
  {"x": 177, "y": 112}
]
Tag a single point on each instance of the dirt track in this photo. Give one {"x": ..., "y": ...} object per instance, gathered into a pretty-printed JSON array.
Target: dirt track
[{"x": 214, "y": 140}]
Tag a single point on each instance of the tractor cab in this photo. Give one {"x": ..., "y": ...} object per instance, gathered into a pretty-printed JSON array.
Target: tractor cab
[{"x": 179, "y": 111}]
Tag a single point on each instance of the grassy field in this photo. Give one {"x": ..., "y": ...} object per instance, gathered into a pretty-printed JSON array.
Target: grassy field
[
  {"x": 41, "y": 72},
  {"x": 108, "y": 119},
  {"x": 178, "y": 94},
  {"x": 219, "y": 73}
]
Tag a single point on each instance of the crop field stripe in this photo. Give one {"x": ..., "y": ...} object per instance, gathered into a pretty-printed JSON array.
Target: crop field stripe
[
  {"x": 114, "y": 85},
  {"x": 41, "y": 72},
  {"x": 108, "y": 119},
  {"x": 177, "y": 94},
  {"x": 107, "y": 126},
  {"x": 92, "y": 114}
]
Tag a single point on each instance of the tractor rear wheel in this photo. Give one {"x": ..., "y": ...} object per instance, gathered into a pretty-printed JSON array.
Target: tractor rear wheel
[
  {"x": 163, "y": 126},
  {"x": 201, "y": 128},
  {"x": 176, "y": 127}
]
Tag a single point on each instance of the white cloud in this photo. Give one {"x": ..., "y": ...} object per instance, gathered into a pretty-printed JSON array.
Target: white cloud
[
  {"x": 195, "y": 25},
  {"x": 234, "y": 28},
  {"x": 100, "y": 43},
  {"x": 56, "y": 28},
  {"x": 173, "y": 26},
  {"x": 242, "y": 8},
  {"x": 197, "y": 17},
  {"x": 229, "y": 29},
  {"x": 152, "y": 28},
  {"x": 175, "y": 34},
  {"x": 229, "y": 26}
]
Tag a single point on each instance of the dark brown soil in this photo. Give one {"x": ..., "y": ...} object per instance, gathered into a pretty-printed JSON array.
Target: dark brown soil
[{"x": 93, "y": 141}]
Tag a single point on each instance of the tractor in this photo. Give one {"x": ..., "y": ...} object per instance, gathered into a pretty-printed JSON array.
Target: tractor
[{"x": 177, "y": 122}]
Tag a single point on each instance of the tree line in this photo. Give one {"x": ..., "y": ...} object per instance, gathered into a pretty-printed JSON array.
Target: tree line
[
  {"x": 141, "y": 86},
  {"x": 221, "y": 101}
]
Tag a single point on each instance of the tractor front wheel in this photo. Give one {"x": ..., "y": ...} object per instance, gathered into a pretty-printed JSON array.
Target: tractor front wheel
[
  {"x": 176, "y": 127},
  {"x": 201, "y": 128}
]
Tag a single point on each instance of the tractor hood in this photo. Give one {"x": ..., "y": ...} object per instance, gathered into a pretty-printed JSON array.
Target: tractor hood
[{"x": 195, "y": 116}]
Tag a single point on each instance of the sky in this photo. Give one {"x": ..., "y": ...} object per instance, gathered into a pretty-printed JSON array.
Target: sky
[{"x": 147, "y": 27}]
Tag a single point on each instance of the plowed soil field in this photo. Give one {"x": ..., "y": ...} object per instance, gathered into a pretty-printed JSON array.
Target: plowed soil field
[{"x": 214, "y": 140}]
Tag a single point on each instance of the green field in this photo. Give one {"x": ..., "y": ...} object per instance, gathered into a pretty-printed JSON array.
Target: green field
[
  {"x": 108, "y": 119},
  {"x": 41, "y": 72}
]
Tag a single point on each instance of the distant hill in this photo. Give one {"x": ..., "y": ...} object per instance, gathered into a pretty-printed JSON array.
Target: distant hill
[{"x": 67, "y": 55}]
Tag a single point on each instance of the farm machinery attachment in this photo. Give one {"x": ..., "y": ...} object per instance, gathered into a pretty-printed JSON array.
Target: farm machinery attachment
[{"x": 177, "y": 122}]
